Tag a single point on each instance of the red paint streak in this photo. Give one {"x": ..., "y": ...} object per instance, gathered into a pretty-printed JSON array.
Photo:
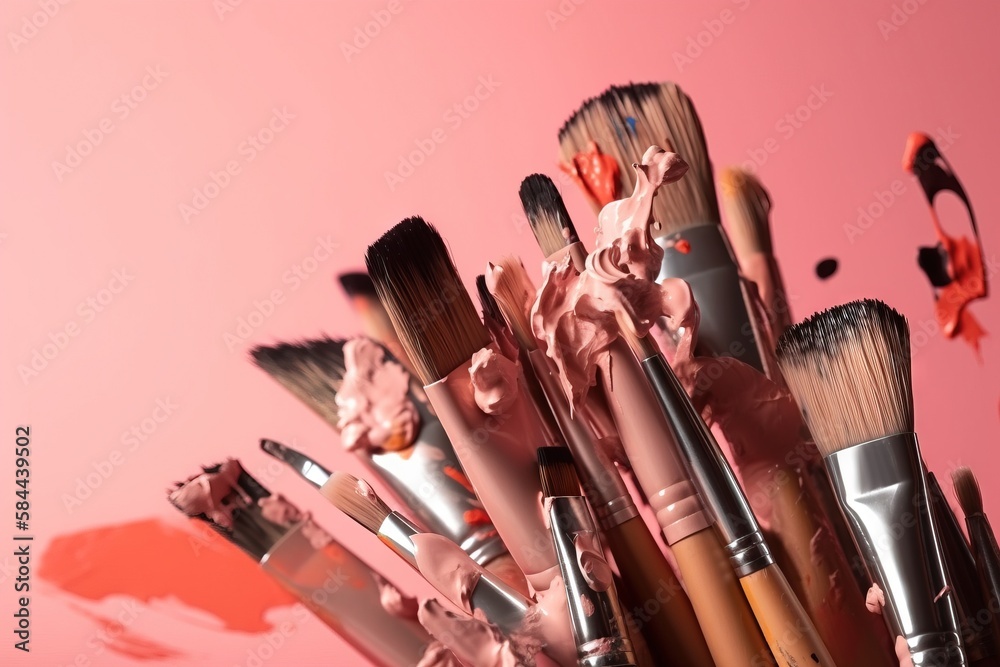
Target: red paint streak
[
  {"x": 151, "y": 560},
  {"x": 965, "y": 256},
  {"x": 683, "y": 246},
  {"x": 459, "y": 477},
  {"x": 476, "y": 517},
  {"x": 117, "y": 637},
  {"x": 595, "y": 173}
]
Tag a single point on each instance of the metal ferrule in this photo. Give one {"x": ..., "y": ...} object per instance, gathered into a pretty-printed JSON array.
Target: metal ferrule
[
  {"x": 602, "y": 482},
  {"x": 437, "y": 502},
  {"x": 727, "y": 328},
  {"x": 601, "y": 635},
  {"x": 745, "y": 545},
  {"x": 396, "y": 531},
  {"x": 882, "y": 491},
  {"x": 501, "y": 604}
]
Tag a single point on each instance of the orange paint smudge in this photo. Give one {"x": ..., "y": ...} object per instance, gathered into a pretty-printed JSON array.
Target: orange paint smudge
[
  {"x": 459, "y": 476},
  {"x": 476, "y": 517},
  {"x": 965, "y": 269},
  {"x": 150, "y": 560},
  {"x": 595, "y": 173},
  {"x": 683, "y": 246}
]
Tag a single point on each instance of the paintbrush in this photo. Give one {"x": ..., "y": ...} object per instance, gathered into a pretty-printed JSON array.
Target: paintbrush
[
  {"x": 421, "y": 469},
  {"x": 673, "y": 630},
  {"x": 302, "y": 557},
  {"x": 977, "y": 636},
  {"x": 719, "y": 605},
  {"x": 849, "y": 370},
  {"x": 747, "y": 207},
  {"x": 624, "y": 121},
  {"x": 438, "y": 326},
  {"x": 595, "y": 614},
  {"x": 984, "y": 546},
  {"x": 375, "y": 324},
  {"x": 789, "y": 631}
]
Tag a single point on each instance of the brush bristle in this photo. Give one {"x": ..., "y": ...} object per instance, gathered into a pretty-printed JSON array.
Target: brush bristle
[
  {"x": 491, "y": 310},
  {"x": 849, "y": 370},
  {"x": 514, "y": 295},
  {"x": 967, "y": 491},
  {"x": 557, "y": 472},
  {"x": 547, "y": 214},
  {"x": 626, "y": 120},
  {"x": 357, "y": 283},
  {"x": 747, "y": 208},
  {"x": 312, "y": 370},
  {"x": 429, "y": 307},
  {"x": 357, "y": 500}
]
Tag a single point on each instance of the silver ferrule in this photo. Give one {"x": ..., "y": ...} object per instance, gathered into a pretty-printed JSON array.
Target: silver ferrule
[
  {"x": 602, "y": 483},
  {"x": 501, "y": 604},
  {"x": 437, "y": 502},
  {"x": 595, "y": 615},
  {"x": 745, "y": 545},
  {"x": 396, "y": 531},
  {"x": 727, "y": 328},
  {"x": 882, "y": 492}
]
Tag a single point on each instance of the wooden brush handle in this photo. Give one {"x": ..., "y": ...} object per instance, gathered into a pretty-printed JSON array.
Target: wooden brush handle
[
  {"x": 824, "y": 584},
  {"x": 728, "y": 624},
  {"x": 506, "y": 568},
  {"x": 789, "y": 631},
  {"x": 659, "y": 606}
]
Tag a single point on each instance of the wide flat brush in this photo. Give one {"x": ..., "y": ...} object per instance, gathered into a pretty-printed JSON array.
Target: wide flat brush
[
  {"x": 301, "y": 557},
  {"x": 624, "y": 121},
  {"x": 673, "y": 629},
  {"x": 441, "y": 332},
  {"x": 984, "y": 545},
  {"x": 849, "y": 370},
  {"x": 719, "y": 605}
]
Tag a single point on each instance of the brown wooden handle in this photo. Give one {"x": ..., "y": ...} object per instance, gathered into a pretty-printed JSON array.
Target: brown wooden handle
[
  {"x": 787, "y": 627},
  {"x": 658, "y": 604},
  {"x": 728, "y": 624}
]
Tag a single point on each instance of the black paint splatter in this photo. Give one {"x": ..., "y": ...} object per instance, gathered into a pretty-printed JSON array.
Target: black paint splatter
[
  {"x": 934, "y": 262},
  {"x": 826, "y": 268}
]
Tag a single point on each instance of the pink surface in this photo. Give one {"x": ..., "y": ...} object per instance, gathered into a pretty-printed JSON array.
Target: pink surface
[{"x": 147, "y": 303}]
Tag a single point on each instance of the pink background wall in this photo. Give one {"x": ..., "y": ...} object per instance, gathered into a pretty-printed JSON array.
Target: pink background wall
[{"x": 220, "y": 76}]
